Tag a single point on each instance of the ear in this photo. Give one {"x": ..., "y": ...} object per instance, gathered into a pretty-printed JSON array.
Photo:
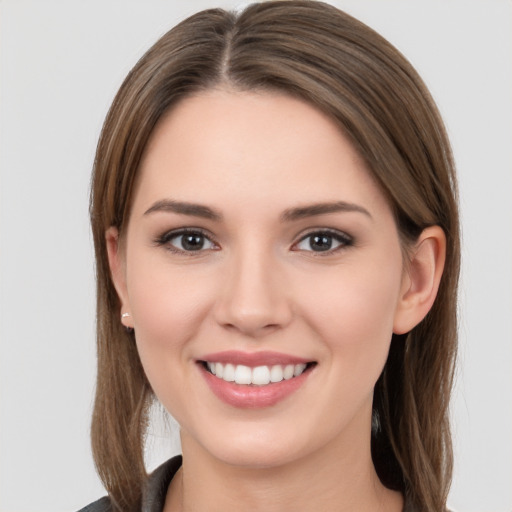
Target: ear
[
  {"x": 421, "y": 279},
  {"x": 118, "y": 273}
]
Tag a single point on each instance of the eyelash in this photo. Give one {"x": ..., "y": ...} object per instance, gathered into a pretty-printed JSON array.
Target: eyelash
[
  {"x": 166, "y": 238},
  {"x": 341, "y": 238}
]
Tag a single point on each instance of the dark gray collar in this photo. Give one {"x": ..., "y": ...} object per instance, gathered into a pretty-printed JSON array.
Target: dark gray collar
[
  {"x": 153, "y": 497},
  {"x": 155, "y": 492}
]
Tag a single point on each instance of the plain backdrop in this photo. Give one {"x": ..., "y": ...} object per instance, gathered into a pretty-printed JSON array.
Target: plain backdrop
[{"x": 61, "y": 64}]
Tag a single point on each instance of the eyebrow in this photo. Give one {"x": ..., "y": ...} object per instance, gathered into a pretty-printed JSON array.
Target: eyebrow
[
  {"x": 185, "y": 208},
  {"x": 311, "y": 210},
  {"x": 289, "y": 215}
]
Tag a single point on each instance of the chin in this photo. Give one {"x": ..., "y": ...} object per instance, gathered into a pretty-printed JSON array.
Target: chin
[
  {"x": 252, "y": 448},
  {"x": 252, "y": 457},
  {"x": 262, "y": 445}
]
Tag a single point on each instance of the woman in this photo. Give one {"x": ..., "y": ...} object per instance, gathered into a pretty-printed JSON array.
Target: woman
[{"x": 276, "y": 235}]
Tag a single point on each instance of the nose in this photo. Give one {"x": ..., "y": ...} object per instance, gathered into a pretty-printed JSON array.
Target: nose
[{"x": 254, "y": 299}]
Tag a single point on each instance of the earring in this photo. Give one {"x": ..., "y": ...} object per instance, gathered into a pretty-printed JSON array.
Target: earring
[{"x": 128, "y": 328}]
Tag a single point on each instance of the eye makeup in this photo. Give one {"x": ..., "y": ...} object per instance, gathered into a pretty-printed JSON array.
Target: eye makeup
[
  {"x": 323, "y": 241},
  {"x": 188, "y": 241},
  {"x": 192, "y": 241}
]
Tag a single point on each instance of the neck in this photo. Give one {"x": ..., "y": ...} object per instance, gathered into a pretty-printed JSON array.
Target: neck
[{"x": 331, "y": 480}]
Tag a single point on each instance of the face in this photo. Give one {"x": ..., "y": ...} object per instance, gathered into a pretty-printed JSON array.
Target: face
[{"x": 260, "y": 249}]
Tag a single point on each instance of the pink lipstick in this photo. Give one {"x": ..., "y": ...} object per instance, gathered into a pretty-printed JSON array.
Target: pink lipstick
[{"x": 254, "y": 380}]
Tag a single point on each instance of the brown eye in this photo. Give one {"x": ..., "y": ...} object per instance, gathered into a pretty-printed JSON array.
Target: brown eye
[
  {"x": 323, "y": 241},
  {"x": 186, "y": 241},
  {"x": 191, "y": 242},
  {"x": 320, "y": 242}
]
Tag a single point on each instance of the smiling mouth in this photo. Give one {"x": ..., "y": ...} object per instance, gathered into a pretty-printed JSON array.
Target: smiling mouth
[{"x": 258, "y": 375}]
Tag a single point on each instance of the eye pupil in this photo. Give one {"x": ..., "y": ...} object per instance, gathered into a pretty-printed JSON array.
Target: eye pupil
[
  {"x": 320, "y": 242},
  {"x": 192, "y": 242}
]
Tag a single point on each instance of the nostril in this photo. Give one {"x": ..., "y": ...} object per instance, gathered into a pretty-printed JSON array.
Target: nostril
[
  {"x": 252, "y": 329},
  {"x": 251, "y": 298}
]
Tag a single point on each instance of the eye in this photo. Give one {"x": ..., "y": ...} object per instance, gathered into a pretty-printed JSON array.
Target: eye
[
  {"x": 323, "y": 241},
  {"x": 186, "y": 240}
]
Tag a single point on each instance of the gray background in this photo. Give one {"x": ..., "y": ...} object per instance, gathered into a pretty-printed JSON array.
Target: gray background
[{"x": 60, "y": 65}]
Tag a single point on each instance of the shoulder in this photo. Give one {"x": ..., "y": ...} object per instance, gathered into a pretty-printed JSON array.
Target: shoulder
[
  {"x": 155, "y": 490},
  {"x": 410, "y": 507},
  {"x": 101, "y": 505}
]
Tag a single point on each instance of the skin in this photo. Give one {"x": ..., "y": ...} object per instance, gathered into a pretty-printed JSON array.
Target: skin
[{"x": 258, "y": 284}]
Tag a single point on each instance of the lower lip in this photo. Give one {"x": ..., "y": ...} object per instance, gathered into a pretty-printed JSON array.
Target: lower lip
[{"x": 252, "y": 396}]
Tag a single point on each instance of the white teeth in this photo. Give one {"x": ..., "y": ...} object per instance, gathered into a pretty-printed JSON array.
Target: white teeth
[
  {"x": 243, "y": 375},
  {"x": 276, "y": 373},
  {"x": 299, "y": 368},
  {"x": 289, "y": 371},
  {"x": 229, "y": 372},
  {"x": 259, "y": 376}
]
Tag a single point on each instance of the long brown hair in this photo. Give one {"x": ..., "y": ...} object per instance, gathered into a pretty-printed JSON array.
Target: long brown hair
[{"x": 312, "y": 51}]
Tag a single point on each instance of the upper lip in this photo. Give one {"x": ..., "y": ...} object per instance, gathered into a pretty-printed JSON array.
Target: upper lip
[{"x": 253, "y": 359}]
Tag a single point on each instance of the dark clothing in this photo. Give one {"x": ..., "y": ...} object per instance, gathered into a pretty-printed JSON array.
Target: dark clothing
[{"x": 153, "y": 498}]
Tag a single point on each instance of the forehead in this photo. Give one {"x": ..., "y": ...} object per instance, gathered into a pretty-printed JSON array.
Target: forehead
[{"x": 222, "y": 146}]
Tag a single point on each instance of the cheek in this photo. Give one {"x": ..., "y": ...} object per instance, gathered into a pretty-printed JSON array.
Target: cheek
[
  {"x": 353, "y": 312},
  {"x": 168, "y": 307}
]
